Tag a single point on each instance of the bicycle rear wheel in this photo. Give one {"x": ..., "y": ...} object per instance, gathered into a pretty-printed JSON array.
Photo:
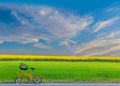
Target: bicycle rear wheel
[
  {"x": 37, "y": 79},
  {"x": 17, "y": 80}
]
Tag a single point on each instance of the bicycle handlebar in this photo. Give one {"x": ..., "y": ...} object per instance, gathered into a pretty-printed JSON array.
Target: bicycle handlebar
[
  {"x": 32, "y": 68},
  {"x": 27, "y": 67}
]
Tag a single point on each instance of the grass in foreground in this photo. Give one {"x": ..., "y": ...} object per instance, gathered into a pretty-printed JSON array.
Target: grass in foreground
[{"x": 64, "y": 71}]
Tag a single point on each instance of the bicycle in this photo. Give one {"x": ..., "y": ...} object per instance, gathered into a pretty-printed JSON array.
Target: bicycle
[{"x": 37, "y": 79}]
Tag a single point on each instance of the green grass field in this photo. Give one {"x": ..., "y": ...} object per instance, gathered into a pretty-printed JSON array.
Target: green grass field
[{"x": 77, "y": 72}]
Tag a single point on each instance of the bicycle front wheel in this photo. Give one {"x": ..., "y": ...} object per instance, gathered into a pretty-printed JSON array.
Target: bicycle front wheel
[
  {"x": 37, "y": 79},
  {"x": 17, "y": 80}
]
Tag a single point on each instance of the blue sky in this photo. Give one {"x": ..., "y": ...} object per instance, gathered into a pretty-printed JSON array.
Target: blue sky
[{"x": 60, "y": 27}]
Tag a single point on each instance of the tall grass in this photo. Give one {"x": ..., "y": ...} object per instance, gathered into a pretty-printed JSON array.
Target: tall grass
[{"x": 57, "y": 58}]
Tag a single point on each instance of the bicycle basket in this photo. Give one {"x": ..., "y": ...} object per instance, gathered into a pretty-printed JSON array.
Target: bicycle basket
[{"x": 23, "y": 68}]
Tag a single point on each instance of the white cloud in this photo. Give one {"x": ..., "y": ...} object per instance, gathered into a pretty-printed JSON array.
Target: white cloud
[
  {"x": 58, "y": 23},
  {"x": 100, "y": 25},
  {"x": 42, "y": 46},
  {"x": 113, "y": 35},
  {"x": 70, "y": 45},
  {"x": 29, "y": 24},
  {"x": 67, "y": 42},
  {"x": 113, "y": 9}
]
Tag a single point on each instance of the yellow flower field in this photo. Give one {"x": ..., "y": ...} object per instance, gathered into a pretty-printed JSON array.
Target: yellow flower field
[{"x": 59, "y": 58}]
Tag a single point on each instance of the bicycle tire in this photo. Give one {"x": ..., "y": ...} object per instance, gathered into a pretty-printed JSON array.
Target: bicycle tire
[
  {"x": 17, "y": 80},
  {"x": 37, "y": 79}
]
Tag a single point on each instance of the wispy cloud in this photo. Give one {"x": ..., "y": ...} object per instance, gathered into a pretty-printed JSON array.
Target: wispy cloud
[
  {"x": 102, "y": 24},
  {"x": 41, "y": 26},
  {"x": 113, "y": 9},
  {"x": 105, "y": 45},
  {"x": 42, "y": 46},
  {"x": 30, "y": 24},
  {"x": 70, "y": 46}
]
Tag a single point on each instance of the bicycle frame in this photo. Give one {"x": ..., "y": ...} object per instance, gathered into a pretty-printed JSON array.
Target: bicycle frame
[{"x": 30, "y": 76}]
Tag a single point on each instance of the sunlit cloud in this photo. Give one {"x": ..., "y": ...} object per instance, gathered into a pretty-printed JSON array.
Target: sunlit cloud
[{"x": 105, "y": 45}]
